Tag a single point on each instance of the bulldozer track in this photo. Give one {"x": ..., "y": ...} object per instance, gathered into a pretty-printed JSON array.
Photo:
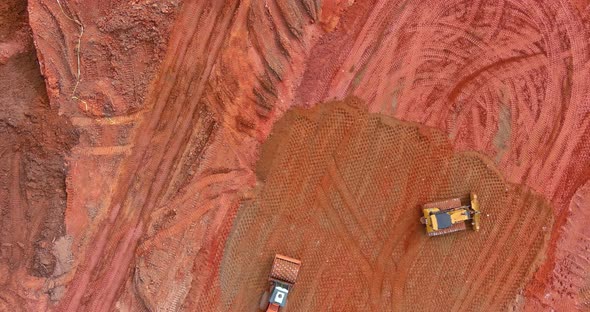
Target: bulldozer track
[
  {"x": 158, "y": 117},
  {"x": 381, "y": 242}
]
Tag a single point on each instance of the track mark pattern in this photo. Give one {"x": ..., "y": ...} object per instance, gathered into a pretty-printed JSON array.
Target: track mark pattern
[{"x": 315, "y": 198}]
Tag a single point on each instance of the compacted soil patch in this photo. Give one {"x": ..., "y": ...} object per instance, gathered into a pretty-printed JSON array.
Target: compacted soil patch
[{"x": 342, "y": 192}]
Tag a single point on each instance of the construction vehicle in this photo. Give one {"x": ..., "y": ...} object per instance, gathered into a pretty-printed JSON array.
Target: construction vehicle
[
  {"x": 451, "y": 215},
  {"x": 283, "y": 275}
]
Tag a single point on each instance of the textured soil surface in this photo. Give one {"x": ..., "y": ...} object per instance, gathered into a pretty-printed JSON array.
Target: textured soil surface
[
  {"x": 343, "y": 194},
  {"x": 142, "y": 170}
]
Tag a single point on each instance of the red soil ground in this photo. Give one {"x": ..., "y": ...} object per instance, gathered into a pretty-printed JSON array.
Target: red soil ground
[
  {"x": 342, "y": 192},
  {"x": 125, "y": 164}
]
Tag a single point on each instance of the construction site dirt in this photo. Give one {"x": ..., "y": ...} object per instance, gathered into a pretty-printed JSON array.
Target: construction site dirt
[
  {"x": 156, "y": 155},
  {"x": 343, "y": 194}
]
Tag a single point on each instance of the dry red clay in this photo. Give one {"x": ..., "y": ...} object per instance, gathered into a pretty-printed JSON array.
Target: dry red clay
[
  {"x": 570, "y": 290},
  {"x": 342, "y": 192},
  {"x": 172, "y": 100}
]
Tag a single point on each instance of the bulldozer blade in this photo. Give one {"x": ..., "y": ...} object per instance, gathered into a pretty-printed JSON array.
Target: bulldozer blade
[
  {"x": 475, "y": 206},
  {"x": 474, "y": 202},
  {"x": 475, "y": 222}
]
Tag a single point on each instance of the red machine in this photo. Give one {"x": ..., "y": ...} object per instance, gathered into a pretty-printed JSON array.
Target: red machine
[{"x": 283, "y": 275}]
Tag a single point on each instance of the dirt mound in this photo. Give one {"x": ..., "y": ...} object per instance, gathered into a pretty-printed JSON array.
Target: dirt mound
[{"x": 342, "y": 193}]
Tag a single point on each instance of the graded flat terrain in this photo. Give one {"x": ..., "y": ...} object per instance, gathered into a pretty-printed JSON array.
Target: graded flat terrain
[{"x": 343, "y": 191}]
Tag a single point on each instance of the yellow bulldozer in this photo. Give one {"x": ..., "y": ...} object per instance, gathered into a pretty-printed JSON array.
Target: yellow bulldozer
[{"x": 451, "y": 215}]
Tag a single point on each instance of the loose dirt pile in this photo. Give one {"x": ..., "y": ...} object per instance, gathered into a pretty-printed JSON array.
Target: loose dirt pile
[{"x": 343, "y": 191}]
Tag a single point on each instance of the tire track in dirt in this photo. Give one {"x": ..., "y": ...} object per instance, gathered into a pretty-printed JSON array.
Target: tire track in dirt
[
  {"x": 398, "y": 237},
  {"x": 16, "y": 202},
  {"x": 486, "y": 260},
  {"x": 111, "y": 89},
  {"x": 364, "y": 264},
  {"x": 157, "y": 127},
  {"x": 402, "y": 58},
  {"x": 245, "y": 117},
  {"x": 383, "y": 65},
  {"x": 570, "y": 279},
  {"x": 212, "y": 102},
  {"x": 349, "y": 202},
  {"x": 413, "y": 68},
  {"x": 506, "y": 265}
]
